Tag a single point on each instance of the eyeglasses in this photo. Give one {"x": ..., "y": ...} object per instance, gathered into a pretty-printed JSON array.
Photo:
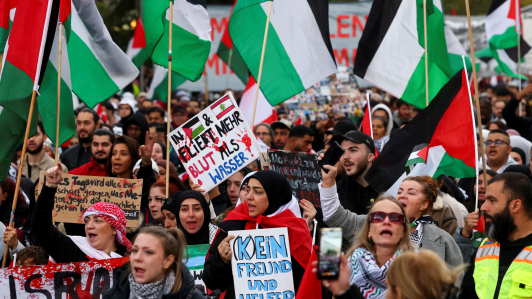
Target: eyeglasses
[
  {"x": 378, "y": 217},
  {"x": 497, "y": 142}
]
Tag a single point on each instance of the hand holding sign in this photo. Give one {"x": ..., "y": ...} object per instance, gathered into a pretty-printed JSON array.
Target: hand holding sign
[
  {"x": 197, "y": 187},
  {"x": 146, "y": 150},
  {"x": 225, "y": 249},
  {"x": 54, "y": 176}
]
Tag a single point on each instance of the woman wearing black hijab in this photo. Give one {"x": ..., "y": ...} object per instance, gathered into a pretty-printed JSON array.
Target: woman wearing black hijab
[
  {"x": 268, "y": 202},
  {"x": 194, "y": 218}
]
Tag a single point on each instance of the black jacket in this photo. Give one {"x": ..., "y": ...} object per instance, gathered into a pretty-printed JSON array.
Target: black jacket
[
  {"x": 139, "y": 120},
  {"x": 521, "y": 124},
  {"x": 121, "y": 290},
  {"x": 354, "y": 197},
  {"x": 76, "y": 156}
]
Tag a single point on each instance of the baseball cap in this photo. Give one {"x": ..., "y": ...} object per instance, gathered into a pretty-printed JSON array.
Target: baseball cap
[
  {"x": 179, "y": 108},
  {"x": 281, "y": 124},
  {"x": 342, "y": 127},
  {"x": 356, "y": 137},
  {"x": 281, "y": 111}
]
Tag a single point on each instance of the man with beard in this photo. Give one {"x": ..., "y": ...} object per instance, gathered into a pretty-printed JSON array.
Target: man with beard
[
  {"x": 102, "y": 140},
  {"x": 502, "y": 265},
  {"x": 36, "y": 157},
  {"x": 86, "y": 123},
  {"x": 281, "y": 130},
  {"x": 355, "y": 193}
]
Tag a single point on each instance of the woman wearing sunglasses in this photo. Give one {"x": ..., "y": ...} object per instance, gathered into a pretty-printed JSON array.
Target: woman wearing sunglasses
[{"x": 194, "y": 218}]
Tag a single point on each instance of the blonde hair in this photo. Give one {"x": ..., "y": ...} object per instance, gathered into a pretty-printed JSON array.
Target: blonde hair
[
  {"x": 430, "y": 189},
  {"x": 174, "y": 243},
  {"x": 365, "y": 242},
  {"x": 421, "y": 275}
]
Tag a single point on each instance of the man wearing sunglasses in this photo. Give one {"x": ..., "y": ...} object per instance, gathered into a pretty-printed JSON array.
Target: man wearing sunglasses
[{"x": 497, "y": 147}]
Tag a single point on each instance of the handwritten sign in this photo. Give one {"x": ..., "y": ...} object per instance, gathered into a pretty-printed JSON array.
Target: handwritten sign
[
  {"x": 76, "y": 193},
  {"x": 195, "y": 264},
  {"x": 261, "y": 264},
  {"x": 216, "y": 143},
  {"x": 84, "y": 280}
]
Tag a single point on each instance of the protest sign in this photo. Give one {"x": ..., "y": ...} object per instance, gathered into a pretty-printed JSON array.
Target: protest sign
[
  {"x": 301, "y": 170},
  {"x": 261, "y": 264},
  {"x": 76, "y": 193},
  {"x": 216, "y": 143},
  {"x": 84, "y": 280},
  {"x": 195, "y": 264}
]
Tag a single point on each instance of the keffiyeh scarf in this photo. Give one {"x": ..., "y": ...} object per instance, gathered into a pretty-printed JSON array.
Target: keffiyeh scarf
[
  {"x": 417, "y": 235},
  {"x": 114, "y": 216},
  {"x": 152, "y": 290}
]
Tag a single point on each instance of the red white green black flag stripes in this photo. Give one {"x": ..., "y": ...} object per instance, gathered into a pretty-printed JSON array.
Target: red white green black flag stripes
[{"x": 7, "y": 11}]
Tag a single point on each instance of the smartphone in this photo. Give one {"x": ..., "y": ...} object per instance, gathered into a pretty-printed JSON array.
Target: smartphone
[
  {"x": 331, "y": 156},
  {"x": 329, "y": 257}
]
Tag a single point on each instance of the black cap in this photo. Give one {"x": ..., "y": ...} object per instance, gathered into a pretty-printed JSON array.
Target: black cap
[
  {"x": 356, "y": 137},
  {"x": 342, "y": 127},
  {"x": 179, "y": 108},
  {"x": 281, "y": 111}
]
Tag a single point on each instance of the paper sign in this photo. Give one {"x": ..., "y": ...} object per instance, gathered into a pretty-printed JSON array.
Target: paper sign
[
  {"x": 216, "y": 143},
  {"x": 261, "y": 264},
  {"x": 196, "y": 262},
  {"x": 84, "y": 280},
  {"x": 76, "y": 193}
]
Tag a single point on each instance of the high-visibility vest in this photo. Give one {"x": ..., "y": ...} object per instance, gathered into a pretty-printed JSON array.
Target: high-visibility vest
[{"x": 517, "y": 282}]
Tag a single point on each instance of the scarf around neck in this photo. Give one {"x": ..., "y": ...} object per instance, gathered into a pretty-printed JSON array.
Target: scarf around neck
[
  {"x": 417, "y": 235},
  {"x": 152, "y": 290},
  {"x": 91, "y": 252}
]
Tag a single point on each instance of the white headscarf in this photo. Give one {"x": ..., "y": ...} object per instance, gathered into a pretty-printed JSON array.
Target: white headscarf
[{"x": 390, "y": 116}]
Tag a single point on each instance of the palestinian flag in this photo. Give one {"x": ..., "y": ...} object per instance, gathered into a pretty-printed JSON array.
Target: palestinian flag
[
  {"x": 7, "y": 13},
  {"x": 443, "y": 135},
  {"x": 159, "y": 83},
  {"x": 95, "y": 60},
  {"x": 222, "y": 106},
  {"x": 193, "y": 128},
  {"x": 366, "y": 126},
  {"x": 136, "y": 48},
  {"x": 231, "y": 57},
  {"x": 503, "y": 28},
  {"x": 191, "y": 35},
  {"x": 265, "y": 113},
  {"x": 455, "y": 51},
  {"x": 391, "y": 51},
  {"x": 298, "y": 50}
]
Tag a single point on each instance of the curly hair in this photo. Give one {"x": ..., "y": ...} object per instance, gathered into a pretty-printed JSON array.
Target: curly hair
[{"x": 430, "y": 189}]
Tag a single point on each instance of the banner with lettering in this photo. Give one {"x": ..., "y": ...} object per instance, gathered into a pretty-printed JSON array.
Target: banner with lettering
[
  {"x": 195, "y": 264},
  {"x": 216, "y": 143},
  {"x": 83, "y": 280}
]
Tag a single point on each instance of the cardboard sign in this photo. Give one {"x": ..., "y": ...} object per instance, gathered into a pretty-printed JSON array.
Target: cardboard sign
[
  {"x": 261, "y": 264},
  {"x": 216, "y": 143},
  {"x": 301, "y": 170},
  {"x": 196, "y": 262},
  {"x": 84, "y": 280},
  {"x": 76, "y": 193}
]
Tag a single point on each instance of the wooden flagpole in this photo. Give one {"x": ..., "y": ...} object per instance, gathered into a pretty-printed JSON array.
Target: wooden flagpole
[
  {"x": 169, "y": 99},
  {"x": 206, "y": 96},
  {"x": 261, "y": 64},
  {"x": 477, "y": 102},
  {"x": 426, "y": 53},
  {"x": 19, "y": 173},
  {"x": 57, "y": 145}
]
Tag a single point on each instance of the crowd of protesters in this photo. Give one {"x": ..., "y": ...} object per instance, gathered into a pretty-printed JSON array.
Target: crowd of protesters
[{"x": 423, "y": 242}]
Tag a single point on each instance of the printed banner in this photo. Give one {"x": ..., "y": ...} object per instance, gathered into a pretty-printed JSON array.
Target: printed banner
[
  {"x": 76, "y": 193},
  {"x": 261, "y": 264},
  {"x": 195, "y": 263},
  {"x": 216, "y": 143},
  {"x": 84, "y": 280}
]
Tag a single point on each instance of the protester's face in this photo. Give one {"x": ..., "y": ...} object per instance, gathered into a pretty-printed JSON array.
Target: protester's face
[
  {"x": 155, "y": 117},
  {"x": 148, "y": 262},
  {"x": 280, "y": 137},
  {"x": 379, "y": 130},
  {"x": 124, "y": 110},
  {"x": 179, "y": 118},
  {"x": 157, "y": 152},
  {"x": 49, "y": 152},
  {"x": 410, "y": 195},
  {"x": 162, "y": 174},
  {"x": 256, "y": 199},
  {"x": 99, "y": 233},
  {"x": 73, "y": 142},
  {"x": 121, "y": 159},
  {"x": 304, "y": 144},
  {"x": 35, "y": 143},
  {"x": 282, "y": 116},
  {"x": 191, "y": 215},
  {"x": 85, "y": 126},
  {"x": 485, "y": 111},
  {"x": 101, "y": 148},
  {"x": 170, "y": 220},
  {"x": 233, "y": 187},
  {"x": 355, "y": 159},
  {"x": 498, "y": 154},
  {"x": 386, "y": 233},
  {"x": 481, "y": 188},
  {"x": 499, "y": 221},
  {"x": 134, "y": 131},
  {"x": 404, "y": 112},
  {"x": 243, "y": 193},
  {"x": 516, "y": 157},
  {"x": 497, "y": 109},
  {"x": 381, "y": 113},
  {"x": 155, "y": 202},
  {"x": 264, "y": 134},
  {"x": 193, "y": 107}
]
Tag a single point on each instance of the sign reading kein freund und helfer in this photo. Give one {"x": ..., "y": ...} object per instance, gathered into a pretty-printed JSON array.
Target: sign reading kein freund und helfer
[{"x": 216, "y": 143}]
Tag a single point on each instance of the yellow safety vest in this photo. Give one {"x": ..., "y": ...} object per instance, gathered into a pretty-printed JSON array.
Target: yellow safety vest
[{"x": 517, "y": 282}]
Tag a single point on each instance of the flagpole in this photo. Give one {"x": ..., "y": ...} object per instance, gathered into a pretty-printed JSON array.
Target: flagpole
[
  {"x": 426, "y": 53},
  {"x": 19, "y": 173},
  {"x": 58, "y": 93},
  {"x": 261, "y": 64},
  {"x": 229, "y": 66},
  {"x": 206, "y": 97},
  {"x": 169, "y": 99},
  {"x": 519, "y": 68},
  {"x": 477, "y": 103}
]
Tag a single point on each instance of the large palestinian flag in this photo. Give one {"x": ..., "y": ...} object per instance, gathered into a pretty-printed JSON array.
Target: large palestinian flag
[
  {"x": 503, "y": 25},
  {"x": 298, "y": 50},
  {"x": 7, "y": 12},
  {"x": 136, "y": 48},
  {"x": 159, "y": 83},
  {"x": 391, "y": 51},
  {"x": 231, "y": 57},
  {"x": 191, "y": 35},
  {"x": 441, "y": 135}
]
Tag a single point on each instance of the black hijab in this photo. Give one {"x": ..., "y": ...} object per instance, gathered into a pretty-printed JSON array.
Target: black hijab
[
  {"x": 277, "y": 189},
  {"x": 171, "y": 204},
  {"x": 202, "y": 236}
]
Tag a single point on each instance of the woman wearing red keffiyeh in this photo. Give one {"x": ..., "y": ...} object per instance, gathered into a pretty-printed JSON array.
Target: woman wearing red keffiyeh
[
  {"x": 266, "y": 206},
  {"x": 105, "y": 228}
]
